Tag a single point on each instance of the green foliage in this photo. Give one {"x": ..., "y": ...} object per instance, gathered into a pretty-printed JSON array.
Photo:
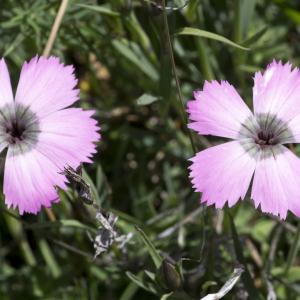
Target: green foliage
[{"x": 122, "y": 59}]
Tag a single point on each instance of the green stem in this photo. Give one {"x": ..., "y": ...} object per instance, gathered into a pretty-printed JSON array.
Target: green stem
[
  {"x": 293, "y": 252},
  {"x": 169, "y": 43},
  {"x": 17, "y": 233},
  {"x": 204, "y": 62},
  {"x": 237, "y": 22},
  {"x": 49, "y": 258},
  {"x": 239, "y": 56},
  {"x": 201, "y": 45}
]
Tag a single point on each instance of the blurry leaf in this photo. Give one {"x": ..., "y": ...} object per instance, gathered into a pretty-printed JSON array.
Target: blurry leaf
[
  {"x": 255, "y": 37},
  {"x": 166, "y": 296},
  {"x": 208, "y": 284},
  {"x": 293, "y": 251},
  {"x": 133, "y": 53},
  {"x": 102, "y": 9},
  {"x": 16, "y": 42},
  {"x": 60, "y": 223},
  {"x": 138, "y": 281},
  {"x": 293, "y": 14},
  {"x": 86, "y": 176},
  {"x": 157, "y": 259},
  {"x": 292, "y": 276},
  {"x": 208, "y": 35},
  {"x": 75, "y": 223},
  {"x": 17, "y": 233},
  {"x": 49, "y": 258},
  {"x": 126, "y": 217},
  {"x": 103, "y": 188},
  {"x": 262, "y": 229},
  {"x": 249, "y": 69},
  {"x": 129, "y": 291},
  {"x": 150, "y": 275},
  {"x": 146, "y": 99},
  {"x": 246, "y": 13},
  {"x": 229, "y": 284},
  {"x": 98, "y": 272},
  {"x": 246, "y": 277},
  {"x": 191, "y": 10}
]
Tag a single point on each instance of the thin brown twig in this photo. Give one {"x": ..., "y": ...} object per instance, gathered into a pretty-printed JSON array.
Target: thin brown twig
[
  {"x": 50, "y": 214},
  {"x": 254, "y": 253},
  {"x": 46, "y": 53},
  {"x": 55, "y": 27}
]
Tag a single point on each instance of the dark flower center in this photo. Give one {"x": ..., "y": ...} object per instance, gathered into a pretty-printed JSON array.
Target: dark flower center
[
  {"x": 15, "y": 131},
  {"x": 265, "y": 138},
  {"x": 264, "y": 133},
  {"x": 19, "y": 127}
]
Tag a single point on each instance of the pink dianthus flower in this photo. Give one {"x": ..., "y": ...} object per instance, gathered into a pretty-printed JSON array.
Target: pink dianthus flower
[
  {"x": 224, "y": 173},
  {"x": 42, "y": 135}
]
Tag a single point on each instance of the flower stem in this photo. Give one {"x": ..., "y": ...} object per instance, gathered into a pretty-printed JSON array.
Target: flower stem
[
  {"x": 55, "y": 27},
  {"x": 169, "y": 44},
  {"x": 293, "y": 252},
  {"x": 46, "y": 53},
  {"x": 50, "y": 214}
]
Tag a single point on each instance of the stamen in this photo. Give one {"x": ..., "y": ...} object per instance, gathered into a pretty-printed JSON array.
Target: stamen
[
  {"x": 270, "y": 133},
  {"x": 19, "y": 127}
]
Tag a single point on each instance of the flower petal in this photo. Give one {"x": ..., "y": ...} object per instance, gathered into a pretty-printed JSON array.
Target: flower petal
[
  {"x": 46, "y": 85},
  {"x": 217, "y": 110},
  {"x": 222, "y": 173},
  {"x": 68, "y": 137},
  {"x": 6, "y": 95},
  {"x": 29, "y": 180},
  {"x": 276, "y": 184},
  {"x": 276, "y": 91}
]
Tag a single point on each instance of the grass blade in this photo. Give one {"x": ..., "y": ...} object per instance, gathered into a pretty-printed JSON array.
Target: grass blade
[
  {"x": 209, "y": 35},
  {"x": 100, "y": 9},
  {"x": 157, "y": 259}
]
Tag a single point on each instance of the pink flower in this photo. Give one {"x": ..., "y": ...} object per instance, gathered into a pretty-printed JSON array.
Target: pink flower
[
  {"x": 41, "y": 134},
  {"x": 223, "y": 173}
]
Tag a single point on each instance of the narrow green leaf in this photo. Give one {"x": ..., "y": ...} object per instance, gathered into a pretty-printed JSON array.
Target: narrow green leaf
[
  {"x": 157, "y": 259},
  {"x": 100, "y": 9},
  {"x": 126, "y": 217},
  {"x": 16, "y": 230},
  {"x": 86, "y": 176},
  {"x": 61, "y": 223},
  {"x": 246, "y": 277},
  {"x": 247, "y": 8},
  {"x": 146, "y": 99},
  {"x": 293, "y": 251},
  {"x": 166, "y": 296},
  {"x": 138, "y": 281},
  {"x": 255, "y": 37},
  {"x": 208, "y": 35},
  {"x": 16, "y": 42},
  {"x": 49, "y": 258},
  {"x": 293, "y": 14},
  {"x": 132, "y": 52},
  {"x": 150, "y": 275},
  {"x": 129, "y": 291}
]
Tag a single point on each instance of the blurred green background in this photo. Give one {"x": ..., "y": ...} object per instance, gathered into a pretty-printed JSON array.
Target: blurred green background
[{"x": 123, "y": 59}]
